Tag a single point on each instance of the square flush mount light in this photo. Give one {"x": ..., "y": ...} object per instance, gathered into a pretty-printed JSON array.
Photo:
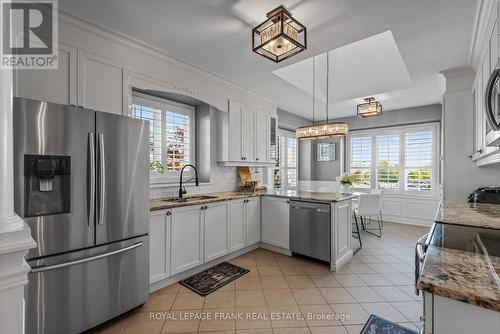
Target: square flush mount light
[
  {"x": 280, "y": 36},
  {"x": 371, "y": 108}
]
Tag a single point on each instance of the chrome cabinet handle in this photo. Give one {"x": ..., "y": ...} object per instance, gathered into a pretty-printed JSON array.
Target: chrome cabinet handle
[
  {"x": 102, "y": 178},
  {"x": 169, "y": 213},
  {"x": 91, "y": 209},
  {"x": 42, "y": 268}
]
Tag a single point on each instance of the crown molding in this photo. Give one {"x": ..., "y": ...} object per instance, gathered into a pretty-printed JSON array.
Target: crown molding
[{"x": 149, "y": 49}]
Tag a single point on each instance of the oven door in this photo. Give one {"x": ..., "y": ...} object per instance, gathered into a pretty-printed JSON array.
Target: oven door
[{"x": 492, "y": 109}]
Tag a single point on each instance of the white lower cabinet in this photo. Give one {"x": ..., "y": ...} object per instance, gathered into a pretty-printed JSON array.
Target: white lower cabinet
[
  {"x": 216, "y": 229},
  {"x": 187, "y": 238},
  {"x": 237, "y": 224},
  {"x": 252, "y": 221},
  {"x": 275, "y": 222},
  {"x": 159, "y": 244}
]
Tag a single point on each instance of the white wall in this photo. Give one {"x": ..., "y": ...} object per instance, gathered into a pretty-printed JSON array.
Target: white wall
[{"x": 461, "y": 175}]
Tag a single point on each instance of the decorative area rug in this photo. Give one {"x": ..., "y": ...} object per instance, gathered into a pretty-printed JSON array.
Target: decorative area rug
[
  {"x": 377, "y": 325},
  {"x": 214, "y": 278}
]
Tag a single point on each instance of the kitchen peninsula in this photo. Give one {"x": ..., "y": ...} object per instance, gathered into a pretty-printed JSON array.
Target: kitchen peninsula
[{"x": 192, "y": 234}]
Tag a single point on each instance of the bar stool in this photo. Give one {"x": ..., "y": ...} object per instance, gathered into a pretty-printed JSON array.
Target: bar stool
[{"x": 369, "y": 207}]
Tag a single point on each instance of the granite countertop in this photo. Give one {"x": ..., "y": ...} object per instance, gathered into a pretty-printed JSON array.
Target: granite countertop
[
  {"x": 480, "y": 215},
  {"x": 465, "y": 276},
  {"x": 161, "y": 204}
]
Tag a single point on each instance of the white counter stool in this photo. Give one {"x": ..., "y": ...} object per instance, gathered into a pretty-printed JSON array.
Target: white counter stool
[{"x": 370, "y": 207}]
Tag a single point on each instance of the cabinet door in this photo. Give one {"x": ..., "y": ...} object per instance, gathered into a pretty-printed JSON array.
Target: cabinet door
[
  {"x": 494, "y": 45},
  {"x": 101, "y": 84},
  {"x": 237, "y": 224},
  {"x": 216, "y": 230},
  {"x": 159, "y": 244},
  {"x": 261, "y": 136},
  {"x": 252, "y": 220},
  {"x": 187, "y": 238},
  {"x": 275, "y": 222},
  {"x": 55, "y": 85},
  {"x": 247, "y": 133},
  {"x": 234, "y": 132}
]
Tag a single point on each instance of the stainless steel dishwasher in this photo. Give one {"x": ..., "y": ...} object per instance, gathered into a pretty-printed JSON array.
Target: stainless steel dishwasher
[{"x": 310, "y": 229}]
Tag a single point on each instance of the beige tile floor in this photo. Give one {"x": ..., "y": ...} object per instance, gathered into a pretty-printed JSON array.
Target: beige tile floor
[{"x": 284, "y": 294}]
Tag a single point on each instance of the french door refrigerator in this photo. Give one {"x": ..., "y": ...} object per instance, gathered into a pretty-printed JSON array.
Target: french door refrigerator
[{"x": 82, "y": 185}]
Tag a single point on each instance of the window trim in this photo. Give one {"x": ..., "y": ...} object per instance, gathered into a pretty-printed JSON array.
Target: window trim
[
  {"x": 270, "y": 171},
  {"x": 401, "y": 130},
  {"x": 170, "y": 176}
]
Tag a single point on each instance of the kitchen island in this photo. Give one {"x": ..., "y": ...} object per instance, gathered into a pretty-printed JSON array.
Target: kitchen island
[
  {"x": 460, "y": 271},
  {"x": 190, "y": 235}
]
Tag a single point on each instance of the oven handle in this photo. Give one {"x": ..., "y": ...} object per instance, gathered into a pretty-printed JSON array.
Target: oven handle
[
  {"x": 419, "y": 258},
  {"x": 487, "y": 100}
]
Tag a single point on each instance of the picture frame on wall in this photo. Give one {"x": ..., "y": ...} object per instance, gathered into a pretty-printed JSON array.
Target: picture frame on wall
[{"x": 325, "y": 152}]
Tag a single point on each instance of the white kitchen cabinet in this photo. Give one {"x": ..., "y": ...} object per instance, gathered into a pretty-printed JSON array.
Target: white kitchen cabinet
[
  {"x": 237, "y": 224},
  {"x": 261, "y": 136},
  {"x": 216, "y": 227},
  {"x": 247, "y": 133},
  {"x": 54, "y": 85},
  {"x": 186, "y": 238},
  {"x": 243, "y": 136},
  {"x": 252, "y": 221},
  {"x": 159, "y": 244},
  {"x": 102, "y": 84},
  {"x": 276, "y": 221}
]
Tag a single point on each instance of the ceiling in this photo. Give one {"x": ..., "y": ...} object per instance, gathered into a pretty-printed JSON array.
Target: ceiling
[{"x": 431, "y": 35}]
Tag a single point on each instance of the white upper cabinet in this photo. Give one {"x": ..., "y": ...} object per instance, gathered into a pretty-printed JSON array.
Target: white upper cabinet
[
  {"x": 55, "y": 85},
  {"x": 101, "y": 84},
  {"x": 216, "y": 230},
  {"x": 275, "y": 221},
  {"x": 244, "y": 136},
  {"x": 247, "y": 133},
  {"x": 261, "y": 136},
  {"x": 187, "y": 238}
]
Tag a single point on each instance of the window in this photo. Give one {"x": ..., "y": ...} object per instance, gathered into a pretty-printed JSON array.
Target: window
[
  {"x": 419, "y": 156},
  {"x": 404, "y": 159},
  {"x": 361, "y": 160},
  {"x": 171, "y": 133},
  {"x": 285, "y": 175}
]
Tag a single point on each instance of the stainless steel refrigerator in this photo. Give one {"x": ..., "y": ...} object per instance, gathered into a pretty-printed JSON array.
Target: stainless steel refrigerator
[{"x": 82, "y": 185}]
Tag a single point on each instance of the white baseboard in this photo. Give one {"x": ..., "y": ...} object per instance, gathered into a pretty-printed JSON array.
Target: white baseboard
[
  {"x": 342, "y": 261},
  {"x": 275, "y": 249}
]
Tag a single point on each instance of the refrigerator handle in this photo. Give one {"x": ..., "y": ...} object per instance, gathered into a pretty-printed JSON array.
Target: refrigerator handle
[
  {"x": 91, "y": 210},
  {"x": 102, "y": 179},
  {"x": 42, "y": 268}
]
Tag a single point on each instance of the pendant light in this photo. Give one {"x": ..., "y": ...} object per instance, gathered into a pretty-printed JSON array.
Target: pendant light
[
  {"x": 325, "y": 129},
  {"x": 372, "y": 108},
  {"x": 280, "y": 36}
]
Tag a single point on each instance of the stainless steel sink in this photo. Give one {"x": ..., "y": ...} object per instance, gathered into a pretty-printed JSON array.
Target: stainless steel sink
[
  {"x": 188, "y": 199},
  {"x": 465, "y": 238}
]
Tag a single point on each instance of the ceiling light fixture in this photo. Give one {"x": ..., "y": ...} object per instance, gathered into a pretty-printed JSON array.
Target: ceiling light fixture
[
  {"x": 372, "y": 108},
  {"x": 326, "y": 129},
  {"x": 280, "y": 36}
]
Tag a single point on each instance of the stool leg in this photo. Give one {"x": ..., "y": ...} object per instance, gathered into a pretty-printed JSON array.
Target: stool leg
[{"x": 359, "y": 234}]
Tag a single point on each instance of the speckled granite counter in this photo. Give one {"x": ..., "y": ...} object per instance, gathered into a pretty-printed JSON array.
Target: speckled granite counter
[
  {"x": 161, "y": 204},
  {"x": 465, "y": 276},
  {"x": 481, "y": 215},
  {"x": 462, "y": 276}
]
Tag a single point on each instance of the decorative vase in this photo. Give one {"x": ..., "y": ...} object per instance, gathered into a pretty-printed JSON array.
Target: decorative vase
[{"x": 345, "y": 188}]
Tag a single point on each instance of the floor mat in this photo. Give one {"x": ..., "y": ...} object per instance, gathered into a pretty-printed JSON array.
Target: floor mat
[
  {"x": 377, "y": 325},
  {"x": 214, "y": 278}
]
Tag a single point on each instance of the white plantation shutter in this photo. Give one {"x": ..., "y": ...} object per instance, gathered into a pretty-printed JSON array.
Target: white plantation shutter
[
  {"x": 419, "y": 156},
  {"x": 285, "y": 174},
  {"x": 388, "y": 152},
  {"x": 171, "y": 137},
  {"x": 361, "y": 160}
]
